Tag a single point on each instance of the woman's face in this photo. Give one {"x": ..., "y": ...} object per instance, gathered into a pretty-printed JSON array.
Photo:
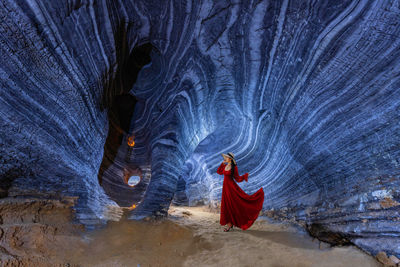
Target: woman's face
[{"x": 227, "y": 160}]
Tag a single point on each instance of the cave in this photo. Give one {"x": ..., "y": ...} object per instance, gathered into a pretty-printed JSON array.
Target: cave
[{"x": 118, "y": 112}]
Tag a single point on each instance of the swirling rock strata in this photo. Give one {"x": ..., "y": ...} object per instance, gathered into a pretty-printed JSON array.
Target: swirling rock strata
[{"x": 306, "y": 94}]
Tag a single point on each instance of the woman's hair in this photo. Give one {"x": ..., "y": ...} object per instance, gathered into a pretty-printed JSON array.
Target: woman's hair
[{"x": 233, "y": 169}]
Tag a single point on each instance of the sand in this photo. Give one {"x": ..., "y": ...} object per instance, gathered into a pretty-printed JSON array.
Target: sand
[
  {"x": 192, "y": 236},
  {"x": 40, "y": 232}
]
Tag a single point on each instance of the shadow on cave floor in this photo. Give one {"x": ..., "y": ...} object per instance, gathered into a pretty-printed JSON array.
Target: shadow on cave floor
[{"x": 289, "y": 239}]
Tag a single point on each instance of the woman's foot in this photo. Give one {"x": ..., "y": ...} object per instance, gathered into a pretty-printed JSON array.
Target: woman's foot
[{"x": 229, "y": 228}]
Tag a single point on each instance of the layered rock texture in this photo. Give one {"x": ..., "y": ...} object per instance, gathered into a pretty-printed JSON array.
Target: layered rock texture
[
  {"x": 306, "y": 94},
  {"x": 35, "y": 231}
]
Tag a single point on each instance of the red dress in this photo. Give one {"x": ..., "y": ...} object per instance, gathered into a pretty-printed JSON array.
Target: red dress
[{"x": 237, "y": 207}]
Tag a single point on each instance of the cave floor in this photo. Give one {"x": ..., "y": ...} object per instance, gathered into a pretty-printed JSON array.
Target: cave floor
[
  {"x": 192, "y": 236},
  {"x": 40, "y": 233}
]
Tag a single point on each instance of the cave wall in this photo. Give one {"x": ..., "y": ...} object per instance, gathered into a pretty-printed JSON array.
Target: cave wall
[
  {"x": 58, "y": 70},
  {"x": 306, "y": 94}
]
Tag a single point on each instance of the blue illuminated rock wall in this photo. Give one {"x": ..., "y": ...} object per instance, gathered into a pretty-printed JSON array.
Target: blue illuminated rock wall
[{"x": 306, "y": 94}]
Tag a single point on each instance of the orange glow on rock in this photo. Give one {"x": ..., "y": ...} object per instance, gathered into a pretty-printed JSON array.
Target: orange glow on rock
[
  {"x": 131, "y": 142},
  {"x": 132, "y": 207}
]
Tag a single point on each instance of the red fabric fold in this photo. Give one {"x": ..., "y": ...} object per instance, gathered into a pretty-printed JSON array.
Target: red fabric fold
[{"x": 238, "y": 207}]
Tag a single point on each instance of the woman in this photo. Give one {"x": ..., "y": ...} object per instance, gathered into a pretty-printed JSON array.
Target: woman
[{"x": 237, "y": 207}]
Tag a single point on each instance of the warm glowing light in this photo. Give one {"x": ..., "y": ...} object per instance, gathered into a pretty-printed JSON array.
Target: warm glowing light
[
  {"x": 132, "y": 207},
  {"x": 131, "y": 142}
]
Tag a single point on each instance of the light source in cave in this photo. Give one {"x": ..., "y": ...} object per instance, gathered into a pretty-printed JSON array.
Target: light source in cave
[
  {"x": 133, "y": 180},
  {"x": 131, "y": 141},
  {"x": 132, "y": 207}
]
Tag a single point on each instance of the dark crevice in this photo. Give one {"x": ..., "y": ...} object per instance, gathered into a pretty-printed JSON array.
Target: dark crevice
[
  {"x": 117, "y": 97},
  {"x": 324, "y": 234},
  {"x": 123, "y": 106},
  {"x": 139, "y": 57}
]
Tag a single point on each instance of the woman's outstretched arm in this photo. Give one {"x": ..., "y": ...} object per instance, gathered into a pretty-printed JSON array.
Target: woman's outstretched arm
[
  {"x": 240, "y": 178},
  {"x": 221, "y": 168}
]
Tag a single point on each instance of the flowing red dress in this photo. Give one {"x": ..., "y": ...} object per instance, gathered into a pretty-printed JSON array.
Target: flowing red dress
[{"x": 237, "y": 207}]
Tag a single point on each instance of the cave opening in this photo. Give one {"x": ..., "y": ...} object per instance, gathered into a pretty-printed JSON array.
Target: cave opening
[{"x": 133, "y": 180}]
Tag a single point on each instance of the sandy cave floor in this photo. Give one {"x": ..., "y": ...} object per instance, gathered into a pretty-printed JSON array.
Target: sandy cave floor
[
  {"x": 40, "y": 232},
  {"x": 192, "y": 236}
]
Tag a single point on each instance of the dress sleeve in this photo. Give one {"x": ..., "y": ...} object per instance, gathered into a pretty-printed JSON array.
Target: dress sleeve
[
  {"x": 221, "y": 168},
  {"x": 240, "y": 178}
]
